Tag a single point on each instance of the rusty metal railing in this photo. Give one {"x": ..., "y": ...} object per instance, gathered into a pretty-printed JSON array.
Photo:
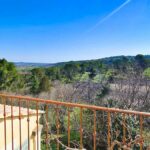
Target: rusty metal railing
[{"x": 109, "y": 114}]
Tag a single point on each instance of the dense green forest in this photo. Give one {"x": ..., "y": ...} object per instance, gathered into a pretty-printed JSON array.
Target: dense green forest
[{"x": 122, "y": 82}]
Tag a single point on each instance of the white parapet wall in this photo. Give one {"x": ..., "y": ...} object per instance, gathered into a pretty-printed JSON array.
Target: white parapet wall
[{"x": 16, "y": 129}]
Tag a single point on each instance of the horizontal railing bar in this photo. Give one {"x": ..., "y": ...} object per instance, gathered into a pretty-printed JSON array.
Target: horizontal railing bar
[{"x": 68, "y": 104}]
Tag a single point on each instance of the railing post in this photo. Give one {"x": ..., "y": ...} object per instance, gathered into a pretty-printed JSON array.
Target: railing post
[
  {"x": 141, "y": 132},
  {"x": 81, "y": 129},
  {"x": 109, "y": 130},
  {"x": 57, "y": 126},
  {"x": 28, "y": 120},
  {"x": 46, "y": 127},
  {"x": 12, "y": 125},
  {"x": 20, "y": 124},
  {"x": 94, "y": 131},
  {"x": 124, "y": 129},
  {"x": 68, "y": 127},
  {"x": 37, "y": 122},
  {"x": 4, "y": 99}
]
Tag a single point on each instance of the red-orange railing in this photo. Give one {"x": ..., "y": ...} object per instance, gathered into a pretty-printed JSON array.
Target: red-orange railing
[{"x": 18, "y": 100}]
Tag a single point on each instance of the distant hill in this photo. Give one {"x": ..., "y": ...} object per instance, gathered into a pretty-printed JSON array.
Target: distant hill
[
  {"x": 107, "y": 60},
  {"x": 32, "y": 65}
]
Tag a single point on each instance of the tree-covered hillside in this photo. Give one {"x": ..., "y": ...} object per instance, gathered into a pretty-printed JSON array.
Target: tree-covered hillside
[
  {"x": 40, "y": 78},
  {"x": 107, "y": 60}
]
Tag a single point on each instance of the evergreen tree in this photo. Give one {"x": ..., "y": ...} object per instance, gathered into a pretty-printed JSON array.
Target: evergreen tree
[{"x": 44, "y": 84}]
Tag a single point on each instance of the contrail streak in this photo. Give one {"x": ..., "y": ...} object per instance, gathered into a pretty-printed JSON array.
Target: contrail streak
[{"x": 110, "y": 14}]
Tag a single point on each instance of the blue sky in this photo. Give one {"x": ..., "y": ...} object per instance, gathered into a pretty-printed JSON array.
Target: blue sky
[{"x": 64, "y": 30}]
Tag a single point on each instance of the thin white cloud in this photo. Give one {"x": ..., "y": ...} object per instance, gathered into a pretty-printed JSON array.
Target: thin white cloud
[{"x": 110, "y": 14}]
